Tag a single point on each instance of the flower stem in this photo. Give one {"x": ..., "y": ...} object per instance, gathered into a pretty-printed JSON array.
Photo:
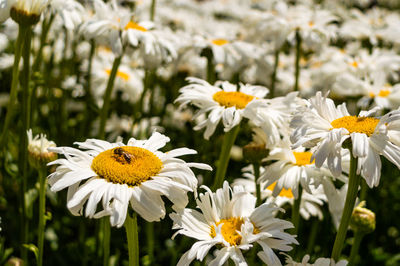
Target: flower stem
[
  {"x": 256, "y": 167},
  {"x": 23, "y": 140},
  {"x": 273, "y": 75},
  {"x": 354, "y": 181},
  {"x": 14, "y": 83},
  {"x": 211, "y": 75},
  {"x": 229, "y": 140},
  {"x": 106, "y": 241},
  {"x": 42, "y": 208},
  {"x": 88, "y": 96},
  {"x": 297, "y": 61},
  {"x": 107, "y": 96},
  {"x": 133, "y": 240},
  {"x": 46, "y": 24},
  {"x": 150, "y": 241},
  {"x": 152, "y": 9},
  {"x": 358, "y": 236},
  {"x": 296, "y": 211}
]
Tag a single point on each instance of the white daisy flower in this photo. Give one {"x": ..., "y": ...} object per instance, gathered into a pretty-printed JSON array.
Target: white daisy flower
[
  {"x": 223, "y": 102},
  {"x": 291, "y": 168},
  {"x": 325, "y": 127},
  {"x": 229, "y": 218},
  {"x": 38, "y": 151},
  {"x": 309, "y": 204},
  {"x": 319, "y": 262},
  {"x": 136, "y": 173}
]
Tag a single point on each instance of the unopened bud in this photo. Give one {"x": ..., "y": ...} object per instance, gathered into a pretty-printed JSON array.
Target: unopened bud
[
  {"x": 39, "y": 156},
  {"x": 362, "y": 219},
  {"x": 254, "y": 152}
]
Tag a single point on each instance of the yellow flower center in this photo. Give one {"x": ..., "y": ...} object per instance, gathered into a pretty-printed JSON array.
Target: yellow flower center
[
  {"x": 230, "y": 229},
  {"x": 126, "y": 165},
  {"x": 123, "y": 75},
  {"x": 232, "y": 98},
  {"x": 364, "y": 125},
  {"x": 311, "y": 23},
  {"x": 134, "y": 26},
  {"x": 382, "y": 93},
  {"x": 219, "y": 42},
  {"x": 303, "y": 158},
  {"x": 287, "y": 193},
  {"x": 354, "y": 64}
]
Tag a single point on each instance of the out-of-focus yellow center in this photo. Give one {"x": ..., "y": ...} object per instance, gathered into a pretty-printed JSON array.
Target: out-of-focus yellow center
[
  {"x": 123, "y": 75},
  {"x": 287, "y": 193},
  {"x": 354, "y": 64},
  {"x": 126, "y": 165},
  {"x": 232, "y": 99},
  {"x": 230, "y": 228},
  {"x": 311, "y": 23},
  {"x": 364, "y": 125},
  {"x": 382, "y": 93},
  {"x": 219, "y": 42},
  {"x": 303, "y": 158},
  {"x": 134, "y": 26}
]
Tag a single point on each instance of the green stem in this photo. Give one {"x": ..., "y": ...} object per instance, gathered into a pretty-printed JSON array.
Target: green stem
[
  {"x": 211, "y": 75},
  {"x": 152, "y": 10},
  {"x": 354, "y": 181},
  {"x": 107, "y": 96},
  {"x": 358, "y": 236},
  {"x": 364, "y": 190},
  {"x": 46, "y": 24},
  {"x": 296, "y": 211},
  {"x": 273, "y": 75},
  {"x": 256, "y": 167},
  {"x": 42, "y": 208},
  {"x": 150, "y": 241},
  {"x": 229, "y": 140},
  {"x": 14, "y": 83},
  {"x": 133, "y": 239},
  {"x": 297, "y": 61},
  {"x": 106, "y": 241},
  {"x": 88, "y": 97},
  {"x": 25, "y": 119},
  {"x": 313, "y": 236}
]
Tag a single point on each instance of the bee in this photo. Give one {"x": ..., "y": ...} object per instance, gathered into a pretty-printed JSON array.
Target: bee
[{"x": 120, "y": 152}]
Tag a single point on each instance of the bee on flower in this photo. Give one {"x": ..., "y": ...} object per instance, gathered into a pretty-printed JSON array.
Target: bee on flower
[{"x": 118, "y": 175}]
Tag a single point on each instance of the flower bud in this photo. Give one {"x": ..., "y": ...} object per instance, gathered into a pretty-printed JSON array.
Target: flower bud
[
  {"x": 39, "y": 156},
  {"x": 254, "y": 152},
  {"x": 27, "y": 12},
  {"x": 362, "y": 219}
]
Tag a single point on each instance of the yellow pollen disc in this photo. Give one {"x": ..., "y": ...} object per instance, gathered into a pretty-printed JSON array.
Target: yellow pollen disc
[
  {"x": 126, "y": 165},
  {"x": 303, "y": 158},
  {"x": 134, "y": 26},
  {"x": 354, "y": 64},
  {"x": 120, "y": 74},
  {"x": 232, "y": 99},
  {"x": 219, "y": 42},
  {"x": 384, "y": 93},
  {"x": 364, "y": 125},
  {"x": 229, "y": 230},
  {"x": 287, "y": 193},
  {"x": 311, "y": 23}
]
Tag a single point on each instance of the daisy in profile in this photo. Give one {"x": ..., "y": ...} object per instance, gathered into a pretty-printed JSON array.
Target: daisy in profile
[
  {"x": 310, "y": 204},
  {"x": 229, "y": 219},
  {"x": 118, "y": 175},
  {"x": 324, "y": 127},
  {"x": 221, "y": 101},
  {"x": 319, "y": 262},
  {"x": 292, "y": 168}
]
